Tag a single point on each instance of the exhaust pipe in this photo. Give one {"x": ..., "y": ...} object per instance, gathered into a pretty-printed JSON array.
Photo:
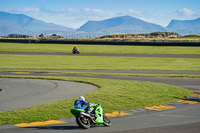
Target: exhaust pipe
[{"x": 87, "y": 115}]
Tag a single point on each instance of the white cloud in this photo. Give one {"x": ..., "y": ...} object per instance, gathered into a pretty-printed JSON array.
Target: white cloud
[
  {"x": 98, "y": 11},
  {"x": 131, "y": 12},
  {"x": 27, "y": 10},
  {"x": 86, "y": 9},
  {"x": 184, "y": 14},
  {"x": 93, "y": 12},
  {"x": 185, "y": 11}
]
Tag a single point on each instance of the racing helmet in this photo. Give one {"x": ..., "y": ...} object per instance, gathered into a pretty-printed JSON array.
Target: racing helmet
[{"x": 81, "y": 98}]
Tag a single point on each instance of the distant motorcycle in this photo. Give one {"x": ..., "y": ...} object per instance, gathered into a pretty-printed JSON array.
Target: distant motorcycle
[
  {"x": 96, "y": 117},
  {"x": 75, "y": 51}
]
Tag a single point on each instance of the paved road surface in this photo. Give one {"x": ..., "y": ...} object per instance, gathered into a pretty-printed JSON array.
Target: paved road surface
[
  {"x": 114, "y": 55},
  {"x": 106, "y": 71},
  {"x": 21, "y": 93}
]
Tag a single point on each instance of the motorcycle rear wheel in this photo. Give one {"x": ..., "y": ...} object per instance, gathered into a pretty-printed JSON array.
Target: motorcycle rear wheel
[{"x": 83, "y": 122}]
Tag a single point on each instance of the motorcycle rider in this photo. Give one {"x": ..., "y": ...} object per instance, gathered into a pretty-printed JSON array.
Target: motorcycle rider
[
  {"x": 82, "y": 104},
  {"x": 75, "y": 49}
]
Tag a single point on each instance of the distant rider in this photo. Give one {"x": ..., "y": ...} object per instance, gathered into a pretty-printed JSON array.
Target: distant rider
[
  {"x": 75, "y": 49},
  {"x": 82, "y": 104}
]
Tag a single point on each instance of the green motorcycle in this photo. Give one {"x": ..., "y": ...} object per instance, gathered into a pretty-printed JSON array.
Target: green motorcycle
[{"x": 96, "y": 117}]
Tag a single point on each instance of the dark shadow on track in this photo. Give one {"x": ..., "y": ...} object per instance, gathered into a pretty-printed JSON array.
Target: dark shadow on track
[
  {"x": 55, "y": 128},
  {"x": 58, "y": 127},
  {"x": 193, "y": 99}
]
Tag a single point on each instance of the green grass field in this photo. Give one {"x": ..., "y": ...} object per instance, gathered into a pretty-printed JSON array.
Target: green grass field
[
  {"x": 96, "y": 62},
  {"x": 113, "y": 95},
  {"x": 67, "y": 48}
]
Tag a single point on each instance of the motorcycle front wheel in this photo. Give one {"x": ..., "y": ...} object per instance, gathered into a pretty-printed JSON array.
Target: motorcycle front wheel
[
  {"x": 83, "y": 122},
  {"x": 106, "y": 121}
]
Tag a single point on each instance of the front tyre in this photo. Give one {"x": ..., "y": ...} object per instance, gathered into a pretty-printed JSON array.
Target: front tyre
[
  {"x": 106, "y": 121},
  {"x": 83, "y": 122}
]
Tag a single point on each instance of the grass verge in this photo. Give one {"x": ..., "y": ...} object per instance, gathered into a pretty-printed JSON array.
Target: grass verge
[
  {"x": 67, "y": 48},
  {"x": 95, "y": 63},
  {"x": 113, "y": 95}
]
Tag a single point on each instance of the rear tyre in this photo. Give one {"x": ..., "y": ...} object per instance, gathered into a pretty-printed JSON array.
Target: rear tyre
[
  {"x": 106, "y": 121},
  {"x": 83, "y": 122}
]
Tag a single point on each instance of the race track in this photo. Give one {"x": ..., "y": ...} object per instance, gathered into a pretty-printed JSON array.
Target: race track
[
  {"x": 21, "y": 93},
  {"x": 100, "y": 54},
  {"x": 182, "y": 119}
]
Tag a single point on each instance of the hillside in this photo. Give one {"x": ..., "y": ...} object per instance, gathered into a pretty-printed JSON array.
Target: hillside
[
  {"x": 124, "y": 24},
  {"x": 22, "y": 24},
  {"x": 185, "y": 26}
]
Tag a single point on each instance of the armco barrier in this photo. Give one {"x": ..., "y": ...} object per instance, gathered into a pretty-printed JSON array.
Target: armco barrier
[{"x": 197, "y": 44}]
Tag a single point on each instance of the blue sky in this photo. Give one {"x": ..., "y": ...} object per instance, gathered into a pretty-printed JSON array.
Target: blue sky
[{"x": 74, "y": 13}]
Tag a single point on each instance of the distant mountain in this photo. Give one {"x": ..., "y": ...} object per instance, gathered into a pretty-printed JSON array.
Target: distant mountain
[
  {"x": 22, "y": 24},
  {"x": 185, "y": 26},
  {"x": 123, "y": 24}
]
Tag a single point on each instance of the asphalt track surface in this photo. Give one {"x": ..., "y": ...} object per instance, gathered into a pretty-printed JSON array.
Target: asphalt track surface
[
  {"x": 182, "y": 119},
  {"x": 21, "y": 93},
  {"x": 113, "y": 55}
]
